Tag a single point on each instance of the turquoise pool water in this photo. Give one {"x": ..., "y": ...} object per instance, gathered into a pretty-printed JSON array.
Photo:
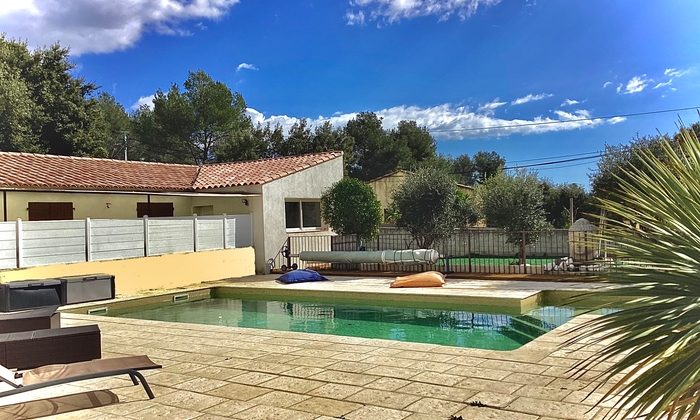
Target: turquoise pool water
[{"x": 462, "y": 328}]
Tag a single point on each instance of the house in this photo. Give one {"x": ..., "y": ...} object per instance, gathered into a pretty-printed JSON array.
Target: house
[
  {"x": 385, "y": 185},
  {"x": 282, "y": 194}
]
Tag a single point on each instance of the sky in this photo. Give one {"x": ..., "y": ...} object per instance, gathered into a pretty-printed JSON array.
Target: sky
[{"x": 536, "y": 81}]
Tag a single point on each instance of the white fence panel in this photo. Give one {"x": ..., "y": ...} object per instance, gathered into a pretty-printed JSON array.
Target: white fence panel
[
  {"x": 170, "y": 236},
  {"x": 243, "y": 232},
  {"x": 8, "y": 245},
  {"x": 116, "y": 239},
  {"x": 210, "y": 232},
  {"x": 53, "y": 242},
  {"x": 69, "y": 241}
]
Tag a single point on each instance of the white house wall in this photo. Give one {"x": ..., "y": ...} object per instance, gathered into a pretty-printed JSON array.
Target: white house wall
[{"x": 307, "y": 184}]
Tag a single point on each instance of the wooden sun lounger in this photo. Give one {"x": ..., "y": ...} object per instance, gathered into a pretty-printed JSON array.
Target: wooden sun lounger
[{"x": 51, "y": 375}]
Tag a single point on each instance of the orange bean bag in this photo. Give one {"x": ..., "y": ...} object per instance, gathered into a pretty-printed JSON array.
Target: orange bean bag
[{"x": 426, "y": 279}]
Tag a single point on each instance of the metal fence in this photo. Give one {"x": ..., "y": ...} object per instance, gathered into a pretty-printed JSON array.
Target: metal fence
[
  {"x": 30, "y": 244},
  {"x": 476, "y": 250}
]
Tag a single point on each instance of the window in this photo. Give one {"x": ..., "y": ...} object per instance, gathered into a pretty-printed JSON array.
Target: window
[
  {"x": 155, "y": 209},
  {"x": 302, "y": 215},
  {"x": 50, "y": 211},
  {"x": 291, "y": 214}
]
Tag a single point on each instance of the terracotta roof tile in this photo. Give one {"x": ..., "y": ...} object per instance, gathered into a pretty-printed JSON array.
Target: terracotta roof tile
[
  {"x": 51, "y": 171},
  {"x": 26, "y": 170},
  {"x": 252, "y": 172}
]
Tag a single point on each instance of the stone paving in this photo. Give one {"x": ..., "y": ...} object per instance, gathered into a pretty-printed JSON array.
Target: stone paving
[{"x": 214, "y": 372}]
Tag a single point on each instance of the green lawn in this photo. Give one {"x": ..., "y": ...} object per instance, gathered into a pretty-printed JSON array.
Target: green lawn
[{"x": 495, "y": 261}]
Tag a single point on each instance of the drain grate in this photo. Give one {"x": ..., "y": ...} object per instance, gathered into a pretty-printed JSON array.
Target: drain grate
[
  {"x": 97, "y": 311},
  {"x": 181, "y": 298}
]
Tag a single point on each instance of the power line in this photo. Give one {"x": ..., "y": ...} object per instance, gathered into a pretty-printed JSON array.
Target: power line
[
  {"x": 553, "y": 162},
  {"x": 635, "y": 114},
  {"x": 560, "y": 156},
  {"x": 564, "y": 166}
]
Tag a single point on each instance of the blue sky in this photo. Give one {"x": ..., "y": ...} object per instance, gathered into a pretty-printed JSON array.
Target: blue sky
[{"x": 455, "y": 66}]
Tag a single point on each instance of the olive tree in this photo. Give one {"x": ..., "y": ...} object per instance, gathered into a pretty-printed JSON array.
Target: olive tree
[
  {"x": 429, "y": 206},
  {"x": 514, "y": 203},
  {"x": 350, "y": 207}
]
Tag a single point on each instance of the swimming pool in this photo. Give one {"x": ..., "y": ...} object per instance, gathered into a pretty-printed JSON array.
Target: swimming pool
[{"x": 460, "y": 328}]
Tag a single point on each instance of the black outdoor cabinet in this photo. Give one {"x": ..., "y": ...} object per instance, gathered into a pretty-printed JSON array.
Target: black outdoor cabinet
[
  {"x": 29, "y": 294},
  {"x": 86, "y": 288}
]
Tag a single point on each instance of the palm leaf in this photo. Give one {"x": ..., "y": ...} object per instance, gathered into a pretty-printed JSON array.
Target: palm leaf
[{"x": 653, "y": 341}]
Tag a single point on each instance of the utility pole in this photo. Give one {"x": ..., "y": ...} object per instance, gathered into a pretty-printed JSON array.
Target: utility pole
[
  {"x": 126, "y": 147},
  {"x": 571, "y": 209}
]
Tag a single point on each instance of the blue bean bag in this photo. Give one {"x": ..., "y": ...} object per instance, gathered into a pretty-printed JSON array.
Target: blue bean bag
[{"x": 300, "y": 276}]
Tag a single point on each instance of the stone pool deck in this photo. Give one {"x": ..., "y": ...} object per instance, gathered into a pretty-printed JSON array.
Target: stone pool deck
[{"x": 214, "y": 372}]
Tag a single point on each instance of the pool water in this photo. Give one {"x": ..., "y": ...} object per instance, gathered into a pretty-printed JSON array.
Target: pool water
[{"x": 462, "y": 328}]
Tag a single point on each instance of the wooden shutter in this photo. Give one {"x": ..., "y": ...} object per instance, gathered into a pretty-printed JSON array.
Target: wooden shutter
[
  {"x": 61, "y": 211},
  {"x": 50, "y": 211},
  {"x": 155, "y": 209},
  {"x": 39, "y": 211},
  {"x": 162, "y": 210},
  {"x": 141, "y": 209}
]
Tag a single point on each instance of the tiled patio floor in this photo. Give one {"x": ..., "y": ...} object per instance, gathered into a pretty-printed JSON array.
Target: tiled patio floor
[{"x": 213, "y": 372}]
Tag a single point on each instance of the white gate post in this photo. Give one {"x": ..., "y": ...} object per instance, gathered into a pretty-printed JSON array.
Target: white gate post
[
  {"x": 146, "y": 251},
  {"x": 194, "y": 231},
  {"x": 18, "y": 243},
  {"x": 88, "y": 244},
  {"x": 223, "y": 224}
]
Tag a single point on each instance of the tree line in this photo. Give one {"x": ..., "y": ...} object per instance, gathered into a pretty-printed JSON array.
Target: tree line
[{"x": 46, "y": 108}]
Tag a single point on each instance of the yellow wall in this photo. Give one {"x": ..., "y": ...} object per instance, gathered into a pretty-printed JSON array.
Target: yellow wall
[
  {"x": 161, "y": 272},
  {"x": 228, "y": 205},
  {"x": 384, "y": 187},
  {"x": 121, "y": 206}
]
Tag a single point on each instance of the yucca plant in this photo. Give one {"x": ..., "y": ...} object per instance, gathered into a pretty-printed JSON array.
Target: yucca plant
[{"x": 653, "y": 341}]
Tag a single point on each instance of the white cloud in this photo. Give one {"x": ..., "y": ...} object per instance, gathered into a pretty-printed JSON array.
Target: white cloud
[
  {"x": 616, "y": 120},
  {"x": 450, "y": 122},
  {"x": 635, "y": 85},
  {"x": 675, "y": 72},
  {"x": 490, "y": 107},
  {"x": 90, "y": 26},
  {"x": 662, "y": 84},
  {"x": 395, "y": 10},
  {"x": 569, "y": 102},
  {"x": 530, "y": 98},
  {"x": 144, "y": 100},
  {"x": 355, "y": 18},
  {"x": 606, "y": 84},
  {"x": 18, "y": 6},
  {"x": 246, "y": 66}
]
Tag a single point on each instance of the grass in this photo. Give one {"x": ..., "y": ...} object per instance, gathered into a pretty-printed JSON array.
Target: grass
[{"x": 496, "y": 261}]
